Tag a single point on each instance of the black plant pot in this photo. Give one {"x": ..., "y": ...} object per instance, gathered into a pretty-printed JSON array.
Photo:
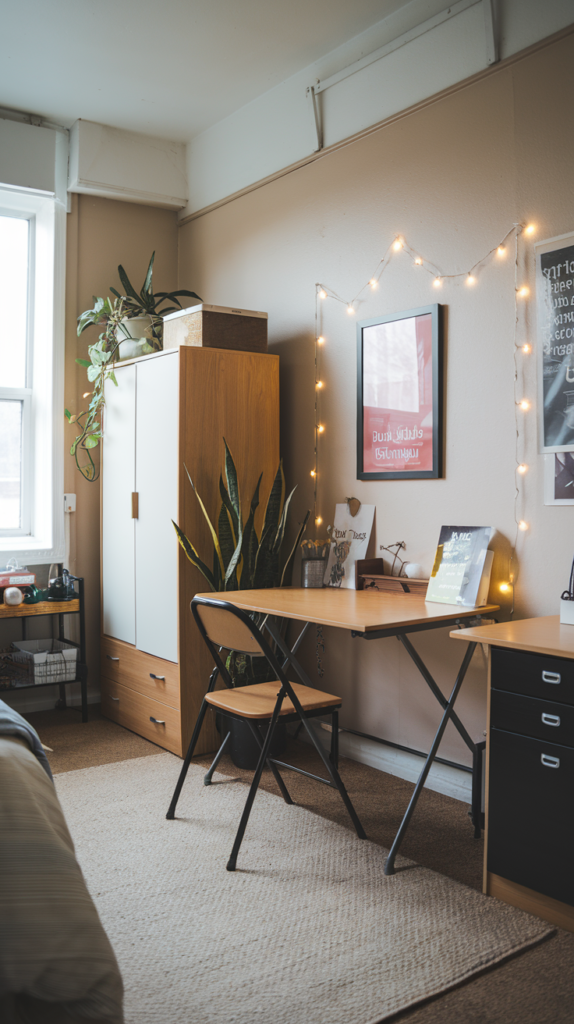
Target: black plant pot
[{"x": 243, "y": 747}]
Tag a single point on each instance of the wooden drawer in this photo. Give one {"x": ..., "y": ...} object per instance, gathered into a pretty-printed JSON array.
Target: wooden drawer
[
  {"x": 150, "y": 676},
  {"x": 530, "y": 716},
  {"x": 136, "y": 711},
  {"x": 534, "y": 675}
]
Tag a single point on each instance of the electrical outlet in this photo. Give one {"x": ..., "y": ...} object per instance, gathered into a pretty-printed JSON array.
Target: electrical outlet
[{"x": 69, "y": 503}]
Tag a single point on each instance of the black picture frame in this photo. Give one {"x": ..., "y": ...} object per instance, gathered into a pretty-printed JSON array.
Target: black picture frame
[{"x": 432, "y": 446}]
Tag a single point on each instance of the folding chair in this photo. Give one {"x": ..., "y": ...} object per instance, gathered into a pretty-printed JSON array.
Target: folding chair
[{"x": 225, "y": 627}]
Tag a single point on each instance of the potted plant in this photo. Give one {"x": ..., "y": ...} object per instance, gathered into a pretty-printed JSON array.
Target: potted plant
[
  {"x": 246, "y": 560},
  {"x": 132, "y": 326}
]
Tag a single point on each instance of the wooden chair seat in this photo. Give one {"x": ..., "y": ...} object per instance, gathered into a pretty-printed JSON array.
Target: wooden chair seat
[{"x": 258, "y": 701}]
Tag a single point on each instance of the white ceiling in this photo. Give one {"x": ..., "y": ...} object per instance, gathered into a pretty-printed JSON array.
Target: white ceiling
[{"x": 169, "y": 68}]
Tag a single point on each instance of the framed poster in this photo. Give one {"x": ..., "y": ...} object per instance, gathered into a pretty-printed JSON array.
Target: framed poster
[
  {"x": 559, "y": 479},
  {"x": 399, "y": 395},
  {"x": 555, "y": 314}
]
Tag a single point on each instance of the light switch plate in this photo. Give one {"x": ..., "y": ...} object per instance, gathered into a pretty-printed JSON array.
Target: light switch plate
[{"x": 69, "y": 503}]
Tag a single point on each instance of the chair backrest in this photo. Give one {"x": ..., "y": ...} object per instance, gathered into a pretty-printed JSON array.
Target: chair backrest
[{"x": 228, "y": 627}]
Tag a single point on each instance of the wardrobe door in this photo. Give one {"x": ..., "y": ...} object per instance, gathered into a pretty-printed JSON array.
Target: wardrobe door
[
  {"x": 157, "y": 465},
  {"x": 118, "y": 483}
]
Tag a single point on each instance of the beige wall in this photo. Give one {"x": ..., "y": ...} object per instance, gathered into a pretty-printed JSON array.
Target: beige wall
[
  {"x": 452, "y": 178},
  {"x": 101, "y": 234}
]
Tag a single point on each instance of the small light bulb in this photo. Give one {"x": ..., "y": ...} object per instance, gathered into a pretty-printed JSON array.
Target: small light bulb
[
  {"x": 318, "y": 520},
  {"x": 374, "y": 284},
  {"x": 350, "y": 309},
  {"x": 437, "y": 283},
  {"x": 524, "y": 404},
  {"x": 504, "y": 587},
  {"x": 527, "y": 349},
  {"x": 530, "y": 229},
  {"x": 313, "y": 473},
  {"x": 320, "y": 428},
  {"x": 471, "y": 280},
  {"x": 522, "y": 468},
  {"x": 523, "y": 292},
  {"x": 397, "y": 244},
  {"x": 322, "y": 294},
  {"x": 501, "y": 250},
  {"x": 522, "y": 525},
  {"x": 320, "y": 340},
  {"x": 418, "y": 262},
  {"x": 319, "y": 385}
]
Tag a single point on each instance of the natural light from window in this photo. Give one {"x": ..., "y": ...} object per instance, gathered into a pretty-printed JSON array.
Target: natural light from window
[{"x": 14, "y": 275}]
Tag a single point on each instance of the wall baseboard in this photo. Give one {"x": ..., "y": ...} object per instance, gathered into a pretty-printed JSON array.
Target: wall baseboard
[
  {"x": 442, "y": 778},
  {"x": 26, "y": 705}
]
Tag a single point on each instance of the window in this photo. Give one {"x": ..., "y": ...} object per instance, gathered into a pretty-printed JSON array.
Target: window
[{"x": 31, "y": 377}]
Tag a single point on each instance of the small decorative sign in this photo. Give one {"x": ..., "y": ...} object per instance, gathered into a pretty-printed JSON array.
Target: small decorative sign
[
  {"x": 461, "y": 570},
  {"x": 349, "y": 541},
  {"x": 399, "y": 378}
]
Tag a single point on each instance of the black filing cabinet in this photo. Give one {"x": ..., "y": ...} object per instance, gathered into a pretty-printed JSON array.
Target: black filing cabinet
[{"x": 531, "y": 787}]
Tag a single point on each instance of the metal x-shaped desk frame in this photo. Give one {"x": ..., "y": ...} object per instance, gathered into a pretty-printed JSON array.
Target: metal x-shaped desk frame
[{"x": 447, "y": 705}]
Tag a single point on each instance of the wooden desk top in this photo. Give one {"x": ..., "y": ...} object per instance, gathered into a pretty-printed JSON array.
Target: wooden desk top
[
  {"x": 22, "y": 611},
  {"x": 363, "y": 611},
  {"x": 545, "y": 635}
]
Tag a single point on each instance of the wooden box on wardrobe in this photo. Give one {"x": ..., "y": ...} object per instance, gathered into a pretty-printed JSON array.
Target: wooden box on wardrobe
[{"x": 171, "y": 410}]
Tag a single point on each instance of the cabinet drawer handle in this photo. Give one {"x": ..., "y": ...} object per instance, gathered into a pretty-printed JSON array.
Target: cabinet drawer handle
[
  {"x": 551, "y": 677},
  {"x": 152, "y": 675},
  {"x": 116, "y": 698},
  {"x": 111, "y": 658},
  {"x": 159, "y": 721},
  {"x": 551, "y": 719},
  {"x": 550, "y": 762}
]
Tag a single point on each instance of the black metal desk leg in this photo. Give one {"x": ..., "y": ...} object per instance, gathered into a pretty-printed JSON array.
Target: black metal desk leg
[{"x": 390, "y": 861}]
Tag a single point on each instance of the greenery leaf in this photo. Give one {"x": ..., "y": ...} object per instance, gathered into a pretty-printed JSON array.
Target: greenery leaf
[
  {"x": 84, "y": 362},
  {"x": 91, "y": 441},
  {"x": 193, "y": 556},
  {"x": 209, "y": 523}
]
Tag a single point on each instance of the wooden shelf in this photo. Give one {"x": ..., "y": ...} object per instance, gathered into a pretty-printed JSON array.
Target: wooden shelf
[{"x": 21, "y": 611}]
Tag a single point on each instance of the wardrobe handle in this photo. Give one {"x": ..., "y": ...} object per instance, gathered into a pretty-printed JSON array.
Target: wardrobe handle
[
  {"x": 551, "y": 719},
  {"x": 551, "y": 677},
  {"x": 152, "y": 675},
  {"x": 550, "y": 762},
  {"x": 159, "y": 721},
  {"x": 111, "y": 658},
  {"x": 135, "y": 504}
]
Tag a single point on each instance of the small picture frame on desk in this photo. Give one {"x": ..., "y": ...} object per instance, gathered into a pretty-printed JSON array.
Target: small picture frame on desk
[{"x": 399, "y": 395}]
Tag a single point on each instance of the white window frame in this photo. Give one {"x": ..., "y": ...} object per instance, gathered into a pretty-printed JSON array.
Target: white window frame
[{"x": 41, "y": 539}]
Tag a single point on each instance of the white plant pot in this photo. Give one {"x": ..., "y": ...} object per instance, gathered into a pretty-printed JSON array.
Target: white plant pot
[{"x": 132, "y": 337}]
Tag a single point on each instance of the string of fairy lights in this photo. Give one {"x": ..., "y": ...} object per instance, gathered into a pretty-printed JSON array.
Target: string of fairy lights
[{"x": 400, "y": 247}]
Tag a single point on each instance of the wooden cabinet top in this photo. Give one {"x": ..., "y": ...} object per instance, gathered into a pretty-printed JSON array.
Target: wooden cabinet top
[{"x": 546, "y": 635}]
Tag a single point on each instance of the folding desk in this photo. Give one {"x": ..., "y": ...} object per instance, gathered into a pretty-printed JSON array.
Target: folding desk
[{"x": 373, "y": 616}]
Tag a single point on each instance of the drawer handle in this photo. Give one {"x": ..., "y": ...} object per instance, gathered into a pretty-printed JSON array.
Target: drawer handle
[
  {"x": 116, "y": 698},
  {"x": 551, "y": 677},
  {"x": 551, "y": 719},
  {"x": 550, "y": 762},
  {"x": 111, "y": 658},
  {"x": 152, "y": 675},
  {"x": 159, "y": 721}
]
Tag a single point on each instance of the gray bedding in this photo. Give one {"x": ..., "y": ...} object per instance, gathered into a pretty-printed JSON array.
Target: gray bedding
[{"x": 56, "y": 963}]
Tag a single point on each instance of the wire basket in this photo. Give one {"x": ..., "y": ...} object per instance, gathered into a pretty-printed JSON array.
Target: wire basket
[
  {"x": 48, "y": 661},
  {"x": 14, "y": 673}
]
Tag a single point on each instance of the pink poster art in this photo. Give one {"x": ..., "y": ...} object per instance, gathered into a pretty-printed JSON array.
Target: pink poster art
[{"x": 399, "y": 397}]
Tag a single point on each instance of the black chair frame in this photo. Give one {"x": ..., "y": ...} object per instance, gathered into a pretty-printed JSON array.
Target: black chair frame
[{"x": 299, "y": 715}]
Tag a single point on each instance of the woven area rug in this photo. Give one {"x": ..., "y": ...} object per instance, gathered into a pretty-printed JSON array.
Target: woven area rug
[{"x": 308, "y": 930}]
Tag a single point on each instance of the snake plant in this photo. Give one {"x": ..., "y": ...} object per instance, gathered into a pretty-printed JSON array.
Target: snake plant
[{"x": 242, "y": 559}]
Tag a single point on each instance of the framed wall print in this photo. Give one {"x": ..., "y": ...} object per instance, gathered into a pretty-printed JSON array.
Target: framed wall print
[
  {"x": 559, "y": 479},
  {"x": 555, "y": 315},
  {"x": 399, "y": 395}
]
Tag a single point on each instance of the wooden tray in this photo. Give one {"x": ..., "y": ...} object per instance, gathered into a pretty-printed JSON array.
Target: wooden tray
[{"x": 370, "y": 575}]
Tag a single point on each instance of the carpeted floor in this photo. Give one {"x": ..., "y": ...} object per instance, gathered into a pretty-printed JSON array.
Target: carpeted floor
[
  {"x": 535, "y": 988},
  {"x": 307, "y": 929}
]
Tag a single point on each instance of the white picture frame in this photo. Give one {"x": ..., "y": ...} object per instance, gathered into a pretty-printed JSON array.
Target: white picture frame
[{"x": 555, "y": 348}]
